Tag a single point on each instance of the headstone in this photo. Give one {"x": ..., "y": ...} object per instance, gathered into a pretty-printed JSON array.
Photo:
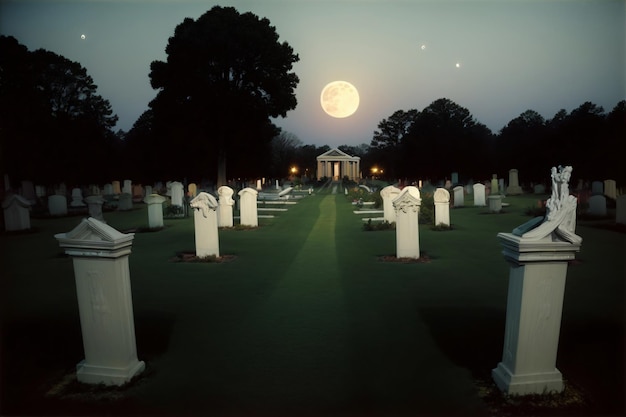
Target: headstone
[
  {"x": 620, "y": 209},
  {"x": 116, "y": 187},
  {"x": 479, "y": 195},
  {"x": 137, "y": 193},
  {"x": 94, "y": 204},
  {"x": 155, "y": 210},
  {"x": 454, "y": 178},
  {"x": 125, "y": 202},
  {"x": 225, "y": 207},
  {"x": 494, "y": 185},
  {"x": 205, "y": 224},
  {"x": 597, "y": 205},
  {"x": 108, "y": 189},
  {"x": 128, "y": 187},
  {"x": 77, "y": 198},
  {"x": 248, "y": 207},
  {"x": 28, "y": 191},
  {"x": 57, "y": 205},
  {"x": 459, "y": 197},
  {"x": 40, "y": 191},
  {"x": 16, "y": 213},
  {"x": 610, "y": 189},
  {"x": 539, "y": 189},
  {"x": 192, "y": 190},
  {"x": 168, "y": 187},
  {"x": 513, "y": 188},
  {"x": 448, "y": 185},
  {"x": 407, "y": 207},
  {"x": 100, "y": 257},
  {"x": 177, "y": 193},
  {"x": 538, "y": 252},
  {"x": 277, "y": 186},
  {"x": 148, "y": 190},
  {"x": 258, "y": 185},
  {"x": 495, "y": 203},
  {"x": 501, "y": 188},
  {"x": 597, "y": 187},
  {"x": 442, "y": 207},
  {"x": 389, "y": 194}
]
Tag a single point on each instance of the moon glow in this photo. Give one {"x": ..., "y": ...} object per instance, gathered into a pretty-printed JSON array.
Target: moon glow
[
  {"x": 339, "y": 99},
  {"x": 83, "y": 36}
]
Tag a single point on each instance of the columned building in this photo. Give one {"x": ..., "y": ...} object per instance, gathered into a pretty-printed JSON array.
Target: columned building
[{"x": 336, "y": 164}]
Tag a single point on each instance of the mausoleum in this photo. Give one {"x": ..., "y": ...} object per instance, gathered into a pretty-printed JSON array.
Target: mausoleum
[{"x": 336, "y": 164}]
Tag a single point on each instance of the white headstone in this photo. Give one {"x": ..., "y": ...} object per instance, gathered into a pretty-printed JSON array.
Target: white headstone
[
  {"x": 597, "y": 187},
  {"x": 77, "y": 198},
  {"x": 494, "y": 185},
  {"x": 57, "y": 205},
  {"x": 597, "y": 205},
  {"x": 407, "y": 207},
  {"x": 155, "y": 210},
  {"x": 125, "y": 202},
  {"x": 610, "y": 189},
  {"x": 258, "y": 185},
  {"x": 177, "y": 193},
  {"x": 225, "y": 208},
  {"x": 100, "y": 258},
  {"x": 513, "y": 188},
  {"x": 94, "y": 204},
  {"x": 16, "y": 213},
  {"x": 459, "y": 196},
  {"x": 620, "y": 212},
  {"x": 479, "y": 195},
  {"x": 389, "y": 194},
  {"x": 248, "y": 207},
  {"x": 205, "y": 224},
  {"x": 442, "y": 206},
  {"x": 128, "y": 187}
]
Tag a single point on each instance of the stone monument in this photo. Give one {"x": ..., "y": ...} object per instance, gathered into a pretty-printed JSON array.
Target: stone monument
[
  {"x": 407, "y": 207},
  {"x": 442, "y": 207},
  {"x": 248, "y": 207},
  {"x": 225, "y": 208},
  {"x": 538, "y": 252},
  {"x": 389, "y": 194},
  {"x": 155, "y": 210},
  {"x": 205, "y": 223}
]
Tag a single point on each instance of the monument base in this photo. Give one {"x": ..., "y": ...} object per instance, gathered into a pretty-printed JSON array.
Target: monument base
[
  {"x": 93, "y": 374},
  {"x": 539, "y": 383}
]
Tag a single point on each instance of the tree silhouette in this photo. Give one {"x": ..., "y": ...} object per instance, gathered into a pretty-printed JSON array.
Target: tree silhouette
[
  {"x": 53, "y": 124},
  {"x": 226, "y": 74}
]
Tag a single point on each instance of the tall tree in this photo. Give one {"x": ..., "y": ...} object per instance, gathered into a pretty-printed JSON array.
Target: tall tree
[
  {"x": 51, "y": 116},
  {"x": 388, "y": 138},
  {"x": 226, "y": 74}
]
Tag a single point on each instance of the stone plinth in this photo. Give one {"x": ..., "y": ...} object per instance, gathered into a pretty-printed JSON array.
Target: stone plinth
[
  {"x": 533, "y": 315},
  {"x": 389, "y": 194},
  {"x": 155, "y": 210},
  {"x": 100, "y": 257},
  {"x": 407, "y": 206},
  {"x": 225, "y": 207},
  {"x": 205, "y": 223},
  {"x": 16, "y": 213},
  {"x": 94, "y": 205},
  {"x": 248, "y": 207},
  {"x": 495, "y": 203},
  {"x": 442, "y": 207}
]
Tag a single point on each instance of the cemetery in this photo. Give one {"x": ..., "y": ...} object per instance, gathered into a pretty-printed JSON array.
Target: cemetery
[{"x": 504, "y": 314}]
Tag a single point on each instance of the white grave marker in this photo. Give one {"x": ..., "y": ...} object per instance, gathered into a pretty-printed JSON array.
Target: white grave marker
[
  {"x": 407, "y": 207},
  {"x": 205, "y": 223}
]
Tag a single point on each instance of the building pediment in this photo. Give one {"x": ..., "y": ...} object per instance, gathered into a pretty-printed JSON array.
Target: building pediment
[{"x": 337, "y": 155}]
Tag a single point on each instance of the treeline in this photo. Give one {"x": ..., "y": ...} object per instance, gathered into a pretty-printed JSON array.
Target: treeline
[{"x": 54, "y": 127}]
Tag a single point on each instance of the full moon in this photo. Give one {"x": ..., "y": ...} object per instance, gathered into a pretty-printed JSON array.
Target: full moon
[{"x": 339, "y": 99}]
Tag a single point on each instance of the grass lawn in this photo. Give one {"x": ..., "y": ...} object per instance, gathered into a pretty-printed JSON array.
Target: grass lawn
[{"x": 307, "y": 320}]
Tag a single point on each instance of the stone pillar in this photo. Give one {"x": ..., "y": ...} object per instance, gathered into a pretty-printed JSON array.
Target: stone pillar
[
  {"x": 442, "y": 207},
  {"x": 495, "y": 203},
  {"x": 513, "y": 188},
  {"x": 538, "y": 253},
  {"x": 16, "y": 213},
  {"x": 248, "y": 207},
  {"x": 94, "y": 205},
  {"x": 205, "y": 223},
  {"x": 100, "y": 257},
  {"x": 389, "y": 194},
  {"x": 225, "y": 208},
  {"x": 459, "y": 196},
  {"x": 155, "y": 210},
  {"x": 407, "y": 206}
]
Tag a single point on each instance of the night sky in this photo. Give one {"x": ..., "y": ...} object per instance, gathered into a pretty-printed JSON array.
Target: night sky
[{"x": 496, "y": 58}]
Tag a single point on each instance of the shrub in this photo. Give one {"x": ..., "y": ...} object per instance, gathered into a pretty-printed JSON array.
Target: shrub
[{"x": 373, "y": 227}]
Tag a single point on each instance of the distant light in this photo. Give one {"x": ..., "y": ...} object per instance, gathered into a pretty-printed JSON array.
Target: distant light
[
  {"x": 458, "y": 65},
  {"x": 83, "y": 37},
  {"x": 423, "y": 47}
]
